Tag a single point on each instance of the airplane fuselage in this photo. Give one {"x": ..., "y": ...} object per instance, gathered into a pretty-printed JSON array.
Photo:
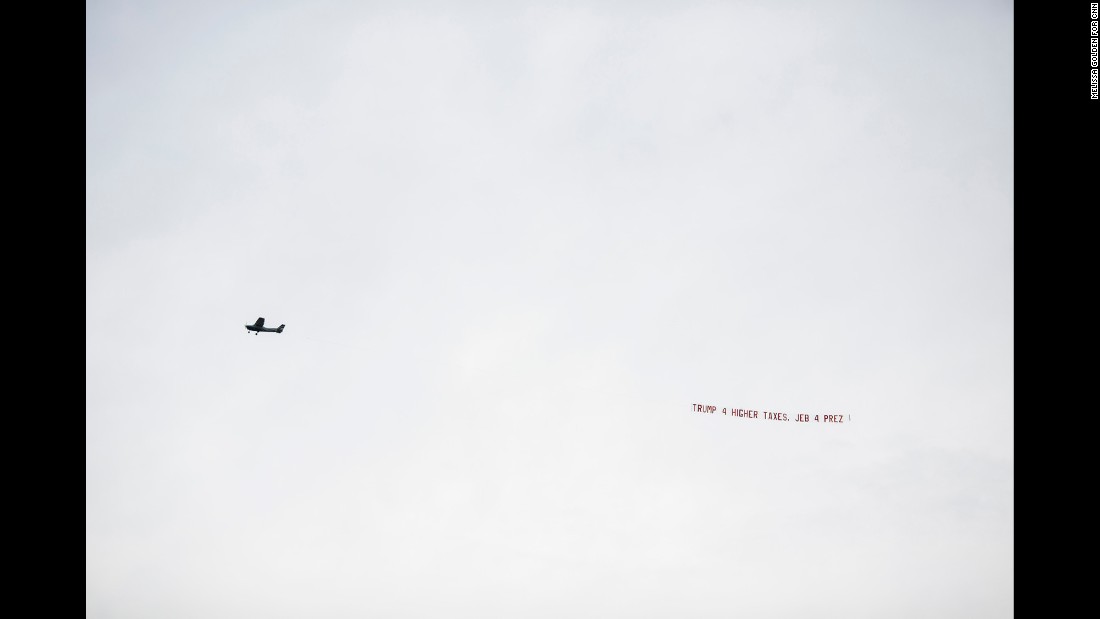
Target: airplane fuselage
[{"x": 259, "y": 327}]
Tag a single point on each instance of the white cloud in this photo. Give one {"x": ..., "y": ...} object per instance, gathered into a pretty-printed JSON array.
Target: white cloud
[{"x": 512, "y": 245}]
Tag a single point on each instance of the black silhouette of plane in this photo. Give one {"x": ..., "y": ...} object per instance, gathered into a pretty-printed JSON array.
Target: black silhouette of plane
[{"x": 259, "y": 326}]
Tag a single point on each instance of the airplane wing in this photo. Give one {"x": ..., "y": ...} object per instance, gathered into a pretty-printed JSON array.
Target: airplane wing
[{"x": 259, "y": 322}]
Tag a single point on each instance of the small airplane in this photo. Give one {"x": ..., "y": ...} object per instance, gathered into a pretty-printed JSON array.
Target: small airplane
[{"x": 259, "y": 326}]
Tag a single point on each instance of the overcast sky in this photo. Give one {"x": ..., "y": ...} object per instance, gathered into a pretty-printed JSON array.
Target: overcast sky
[{"x": 513, "y": 243}]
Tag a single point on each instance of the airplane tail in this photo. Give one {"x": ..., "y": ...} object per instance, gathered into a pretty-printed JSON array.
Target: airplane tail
[{"x": 280, "y": 329}]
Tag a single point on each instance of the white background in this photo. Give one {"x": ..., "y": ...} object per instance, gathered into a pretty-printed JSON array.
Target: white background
[{"x": 512, "y": 244}]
